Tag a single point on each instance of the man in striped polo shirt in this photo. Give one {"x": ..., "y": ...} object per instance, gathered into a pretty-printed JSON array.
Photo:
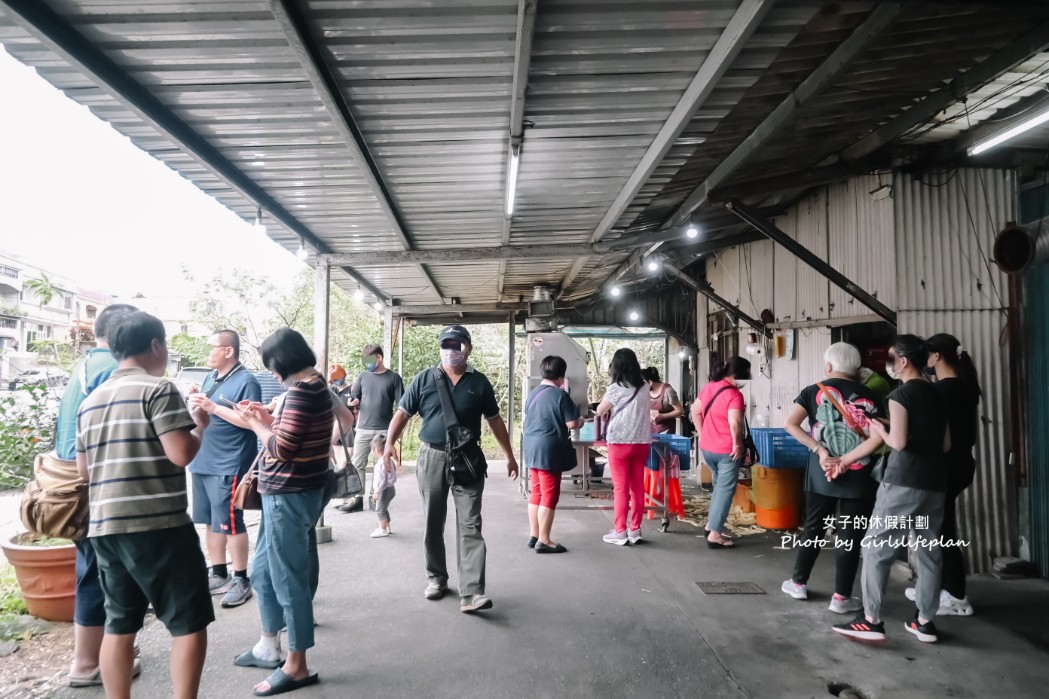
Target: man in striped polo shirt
[{"x": 135, "y": 437}]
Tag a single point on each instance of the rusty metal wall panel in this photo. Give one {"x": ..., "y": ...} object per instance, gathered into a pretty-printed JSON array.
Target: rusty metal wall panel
[
  {"x": 726, "y": 264},
  {"x": 944, "y": 233},
  {"x": 861, "y": 242},
  {"x": 758, "y": 277},
  {"x": 785, "y": 306},
  {"x": 813, "y": 287},
  {"x": 946, "y": 283}
]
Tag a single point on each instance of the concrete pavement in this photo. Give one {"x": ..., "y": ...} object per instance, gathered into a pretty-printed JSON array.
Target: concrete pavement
[{"x": 604, "y": 621}]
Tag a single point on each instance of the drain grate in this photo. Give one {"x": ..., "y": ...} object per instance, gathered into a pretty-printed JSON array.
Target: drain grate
[{"x": 730, "y": 588}]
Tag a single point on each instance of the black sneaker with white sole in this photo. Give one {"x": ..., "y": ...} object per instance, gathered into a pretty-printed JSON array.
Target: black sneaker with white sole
[
  {"x": 859, "y": 629},
  {"x": 926, "y": 632}
]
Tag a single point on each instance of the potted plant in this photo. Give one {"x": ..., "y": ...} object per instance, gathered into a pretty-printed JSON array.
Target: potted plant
[{"x": 46, "y": 572}]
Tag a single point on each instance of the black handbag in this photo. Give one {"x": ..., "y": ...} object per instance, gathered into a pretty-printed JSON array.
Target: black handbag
[
  {"x": 342, "y": 482},
  {"x": 463, "y": 448}
]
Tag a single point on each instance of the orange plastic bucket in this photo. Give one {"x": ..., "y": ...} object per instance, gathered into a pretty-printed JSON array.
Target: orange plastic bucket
[
  {"x": 777, "y": 496},
  {"x": 785, "y": 518}
]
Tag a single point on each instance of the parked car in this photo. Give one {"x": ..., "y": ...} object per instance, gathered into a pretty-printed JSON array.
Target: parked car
[
  {"x": 189, "y": 377},
  {"x": 51, "y": 378}
]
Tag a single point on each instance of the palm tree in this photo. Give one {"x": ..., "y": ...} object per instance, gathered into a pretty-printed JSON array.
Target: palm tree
[{"x": 43, "y": 289}]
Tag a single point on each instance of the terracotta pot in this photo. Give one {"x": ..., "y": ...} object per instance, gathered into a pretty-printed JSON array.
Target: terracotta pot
[{"x": 47, "y": 576}]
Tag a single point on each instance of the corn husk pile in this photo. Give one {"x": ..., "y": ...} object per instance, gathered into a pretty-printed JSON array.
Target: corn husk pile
[{"x": 740, "y": 523}]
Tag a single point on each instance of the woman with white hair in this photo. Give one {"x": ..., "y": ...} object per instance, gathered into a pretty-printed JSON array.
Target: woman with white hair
[{"x": 838, "y": 409}]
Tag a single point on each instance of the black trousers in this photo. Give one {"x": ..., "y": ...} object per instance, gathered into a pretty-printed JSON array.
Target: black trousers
[{"x": 850, "y": 532}]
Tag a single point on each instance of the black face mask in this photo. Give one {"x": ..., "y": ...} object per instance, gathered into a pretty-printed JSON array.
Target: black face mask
[
  {"x": 929, "y": 371},
  {"x": 745, "y": 377}
]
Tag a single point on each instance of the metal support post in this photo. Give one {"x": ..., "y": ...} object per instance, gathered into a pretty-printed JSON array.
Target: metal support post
[
  {"x": 321, "y": 327},
  {"x": 510, "y": 380},
  {"x": 400, "y": 347},
  {"x": 812, "y": 260}
]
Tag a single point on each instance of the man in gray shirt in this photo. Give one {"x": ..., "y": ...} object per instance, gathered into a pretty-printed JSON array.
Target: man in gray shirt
[{"x": 375, "y": 393}]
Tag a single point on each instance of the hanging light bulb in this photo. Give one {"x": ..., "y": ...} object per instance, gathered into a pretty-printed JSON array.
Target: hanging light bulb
[
  {"x": 378, "y": 307},
  {"x": 302, "y": 253},
  {"x": 692, "y": 231},
  {"x": 634, "y": 315},
  {"x": 260, "y": 227},
  {"x": 615, "y": 290},
  {"x": 681, "y": 355},
  {"x": 358, "y": 295},
  {"x": 653, "y": 264}
]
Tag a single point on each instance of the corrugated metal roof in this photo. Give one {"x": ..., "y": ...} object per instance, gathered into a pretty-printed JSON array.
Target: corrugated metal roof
[{"x": 429, "y": 85}]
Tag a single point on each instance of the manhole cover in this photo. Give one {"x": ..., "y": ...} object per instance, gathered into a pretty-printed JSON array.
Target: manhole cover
[{"x": 730, "y": 588}]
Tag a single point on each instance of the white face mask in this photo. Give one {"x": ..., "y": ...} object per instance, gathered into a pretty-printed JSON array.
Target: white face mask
[
  {"x": 453, "y": 359},
  {"x": 891, "y": 372}
]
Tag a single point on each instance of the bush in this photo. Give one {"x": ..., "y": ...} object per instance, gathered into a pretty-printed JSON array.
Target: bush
[{"x": 27, "y": 428}]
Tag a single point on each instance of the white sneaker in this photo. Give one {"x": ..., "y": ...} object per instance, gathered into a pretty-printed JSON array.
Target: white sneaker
[
  {"x": 617, "y": 538},
  {"x": 794, "y": 589},
  {"x": 633, "y": 536},
  {"x": 845, "y": 606},
  {"x": 910, "y": 594},
  {"x": 379, "y": 533},
  {"x": 952, "y": 606}
]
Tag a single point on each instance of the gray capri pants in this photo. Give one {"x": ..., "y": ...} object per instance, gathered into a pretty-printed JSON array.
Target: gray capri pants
[{"x": 383, "y": 503}]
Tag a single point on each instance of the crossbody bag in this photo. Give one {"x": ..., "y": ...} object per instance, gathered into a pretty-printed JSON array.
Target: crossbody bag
[{"x": 463, "y": 448}]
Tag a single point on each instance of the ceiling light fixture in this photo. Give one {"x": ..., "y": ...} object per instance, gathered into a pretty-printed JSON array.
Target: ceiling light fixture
[
  {"x": 358, "y": 294},
  {"x": 1009, "y": 134},
  {"x": 652, "y": 264},
  {"x": 692, "y": 231},
  {"x": 511, "y": 180},
  {"x": 302, "y": 253},
  {"x": 634, "y": 315},
  {"x": 615, "y": 290},
  {"x": 260, "y": 227},
  {"x": 378, "y": 307}
]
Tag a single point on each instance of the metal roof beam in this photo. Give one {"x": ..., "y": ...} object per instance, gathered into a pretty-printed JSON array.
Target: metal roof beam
[
  {"x": 880, "y": 19},
  {"x": 735, "y": 35},
  {"x": 722, "y": 220},
  {"x": 812, "y": 260},
  {"x": 56, "y": 34},
  {"x": 990, "y": 69},
  {"x": 291, "y": 18},
  {"x": 395, "y": 257},
  {"x": 801, "y": 179},
  {"x": 746, "y": 19},
  {"x": 708, "y": 291},
  {"x": 459, "y": 309}
]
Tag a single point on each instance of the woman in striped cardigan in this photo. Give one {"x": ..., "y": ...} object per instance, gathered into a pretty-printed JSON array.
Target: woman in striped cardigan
[{"x": 292, "y": 476}]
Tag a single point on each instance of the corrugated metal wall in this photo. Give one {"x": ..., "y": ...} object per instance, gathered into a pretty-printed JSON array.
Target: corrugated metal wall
[
  {"x": 947, "y": 283},
  {"x": 1036, "y": 370},
  {"x": 924, "y": 250}
]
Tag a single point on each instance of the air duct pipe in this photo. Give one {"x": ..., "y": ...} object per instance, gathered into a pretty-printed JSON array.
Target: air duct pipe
[{"x": 1017, "y": 246}]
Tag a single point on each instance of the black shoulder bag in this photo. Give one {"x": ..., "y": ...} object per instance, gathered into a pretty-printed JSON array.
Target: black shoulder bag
[{"x": 463, "y": 448}]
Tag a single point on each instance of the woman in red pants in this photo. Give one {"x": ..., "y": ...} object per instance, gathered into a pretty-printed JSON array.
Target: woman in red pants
[{"x": 629, "y": 439}]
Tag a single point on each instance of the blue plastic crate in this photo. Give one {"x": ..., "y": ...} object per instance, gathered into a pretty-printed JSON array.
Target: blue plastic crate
[
  {"x": 682, "y": 446},
  {"x": 778, "y": 449}
]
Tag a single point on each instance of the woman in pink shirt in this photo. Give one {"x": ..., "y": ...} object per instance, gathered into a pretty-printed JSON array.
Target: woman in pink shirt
[{"x": 718, "y": 417}]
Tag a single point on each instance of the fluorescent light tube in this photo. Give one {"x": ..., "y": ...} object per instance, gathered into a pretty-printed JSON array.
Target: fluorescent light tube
[
  {"x": 1009, "y": 134},
  {"x": 511, "y": 183}
]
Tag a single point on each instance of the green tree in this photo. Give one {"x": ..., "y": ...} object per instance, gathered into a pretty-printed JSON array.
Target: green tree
[
  {"x": 193, "y": 350},
  {"x": 44, "y": 290}
]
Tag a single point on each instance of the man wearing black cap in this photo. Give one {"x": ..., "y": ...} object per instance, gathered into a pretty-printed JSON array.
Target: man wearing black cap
[{"x": 473, "y": 398}]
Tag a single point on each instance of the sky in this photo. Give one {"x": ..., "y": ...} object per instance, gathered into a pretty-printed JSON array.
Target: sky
[{"x": 79, "y": 199}]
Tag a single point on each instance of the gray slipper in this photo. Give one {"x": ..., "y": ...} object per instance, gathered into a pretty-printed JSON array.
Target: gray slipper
[
  {"x": 249, "y": 659},
  {"x": 281, "y": 682}
]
